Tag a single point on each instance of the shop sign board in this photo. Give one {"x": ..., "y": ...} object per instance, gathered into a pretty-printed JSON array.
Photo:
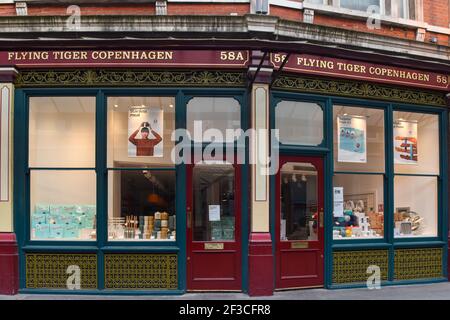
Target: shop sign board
[
  {"x": 125, "y": 58},
  {"x": 342, "y": 68}
]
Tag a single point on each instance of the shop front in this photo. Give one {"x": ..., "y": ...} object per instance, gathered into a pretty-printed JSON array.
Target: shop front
[{"x": 133, "y": 171}]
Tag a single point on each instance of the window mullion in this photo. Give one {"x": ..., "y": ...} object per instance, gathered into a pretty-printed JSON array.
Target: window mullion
[{"x": 382, "y": 7}]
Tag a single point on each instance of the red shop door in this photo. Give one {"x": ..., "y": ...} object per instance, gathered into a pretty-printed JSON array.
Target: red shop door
[
  {"x": 213, "y": 227},
  {"x": 299, "y": 223}
]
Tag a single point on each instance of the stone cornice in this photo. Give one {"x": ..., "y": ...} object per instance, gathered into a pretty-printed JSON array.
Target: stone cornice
[{"x": 249, "y": 27}]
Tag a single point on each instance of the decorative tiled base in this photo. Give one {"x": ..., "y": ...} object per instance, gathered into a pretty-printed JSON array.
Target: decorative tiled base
[
  {"x": 351, "y": 266},
  {"x": 50, "y": 271},
  {"x": 141, "y": 271}
]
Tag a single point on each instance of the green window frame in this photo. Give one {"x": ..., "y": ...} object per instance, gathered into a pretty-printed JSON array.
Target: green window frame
[{"x": 101, "y": 246}]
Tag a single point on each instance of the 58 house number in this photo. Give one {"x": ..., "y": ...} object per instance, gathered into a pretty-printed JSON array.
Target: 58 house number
[{"x": 231, "y": 56}]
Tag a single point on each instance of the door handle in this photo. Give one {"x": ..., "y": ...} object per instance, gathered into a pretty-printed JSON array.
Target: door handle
[
  {"x": 321, "y": 217},
  {"x": 189, "y": 218}
]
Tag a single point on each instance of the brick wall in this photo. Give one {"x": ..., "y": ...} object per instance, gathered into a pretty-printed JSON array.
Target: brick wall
[
  {"x": 7, "y": 10},
  {"x": 436, "y": 12},
  {"x": 286, "y": 13},
  {"x": 360, "y": 25},
  {"x": 207, "y": 9},
  {"x": 43, "y": 10}
]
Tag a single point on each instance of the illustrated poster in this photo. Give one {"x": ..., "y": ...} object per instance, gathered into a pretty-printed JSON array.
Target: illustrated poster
[
  {"x": 145, "y": 132},
  {"x": 352, "y": 139},
  {"x": 405, "y": 142}
]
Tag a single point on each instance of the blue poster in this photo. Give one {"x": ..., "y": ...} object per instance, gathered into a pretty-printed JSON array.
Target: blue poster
[{"x": 352, "y": 142}]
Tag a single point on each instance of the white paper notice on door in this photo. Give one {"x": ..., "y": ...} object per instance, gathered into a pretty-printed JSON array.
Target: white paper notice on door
[
  {"x": 338, "y": 193},
  {"x": 214, "y": 212}
]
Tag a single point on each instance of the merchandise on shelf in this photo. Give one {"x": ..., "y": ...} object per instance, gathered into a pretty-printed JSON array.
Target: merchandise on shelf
[
  {"x": 63, "y": 222},
  {"x": 158, "y": 226},
  {"x": 357, "y": 223}
]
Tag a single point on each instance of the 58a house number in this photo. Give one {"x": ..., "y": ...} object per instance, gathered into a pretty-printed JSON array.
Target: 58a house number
[{"x": 231, "y": 56}]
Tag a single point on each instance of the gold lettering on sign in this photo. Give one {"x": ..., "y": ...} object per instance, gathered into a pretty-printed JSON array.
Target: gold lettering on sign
[
  {"x": 350, "y": 67},
  {"x": 28, "y": 55},
  {"x": 231, "y": 56},
  {"x": 70, "y": 55},
  {"x": 393, "y": 73},
  {"x": 132, "y": 55},
  {"x": 315, "y": 63}
]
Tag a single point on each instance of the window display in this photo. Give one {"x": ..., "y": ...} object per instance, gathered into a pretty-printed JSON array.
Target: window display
[
  {"x": 139, "y": 131},
  {"x": 62, "y": 135},
  {"x": 141, "y": 205},
  {"x": 358, "y": 206},
  {"x": 63, "y": 205},
  {"x": 359, "y": 143},
  {"x": 62, "y": 132},
  {"x": 416, "y": 153},
  {"x": 416, "y": 206},
  {"x": 299, "y": 211},
  {"x": 141, "y": 179},
  {"x": 300, "y": 123},
  {"x": 214, "y": 206},
  {"x": 416, "y": 143},
  {"x": 215, "y": 116}
]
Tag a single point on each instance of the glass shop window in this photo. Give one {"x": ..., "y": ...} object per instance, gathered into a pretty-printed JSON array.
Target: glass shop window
[
  {"x": 141, "y": 173},
  {"x": 61, "y": 137},
  {"x": 139, "y": 131},
  {"x": 62, "y": 132},
  {"x": 299, "y": 123},
  {"x": 416, "y": 143},
  {"x": 214, "y": 207},
  {"x": 209, "y": 118},
  {"x": 358, "y": 211},
  {"x": 359, "y": 144},
  {"x": 416, "y": 165},
  {"x": 141, "y": 205},
  {"x": 63, "y": 204},
  {"x": 416, "y": 206},
  {"x": 299, "y": 196}
]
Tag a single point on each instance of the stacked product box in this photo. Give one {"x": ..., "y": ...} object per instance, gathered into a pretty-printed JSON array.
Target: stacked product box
[{"x": 63, "y": 222}]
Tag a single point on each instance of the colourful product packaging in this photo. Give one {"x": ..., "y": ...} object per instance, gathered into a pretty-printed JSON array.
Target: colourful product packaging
[
  {"x": 42, "y": 231},
  {"x": 42, "y": 209},
  {"x": 56, "y": 231},
  {"x": 38, "y": 219},
  {"x": 71, "y": 230}
]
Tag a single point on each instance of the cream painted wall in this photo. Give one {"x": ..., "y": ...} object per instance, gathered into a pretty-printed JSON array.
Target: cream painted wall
[
  {"x": 6, "y": 208},
  {"x": 259, "y": 183}
]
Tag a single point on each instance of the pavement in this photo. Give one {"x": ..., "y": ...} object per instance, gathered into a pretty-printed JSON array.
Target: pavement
[{"x": 437, "y": 291}]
